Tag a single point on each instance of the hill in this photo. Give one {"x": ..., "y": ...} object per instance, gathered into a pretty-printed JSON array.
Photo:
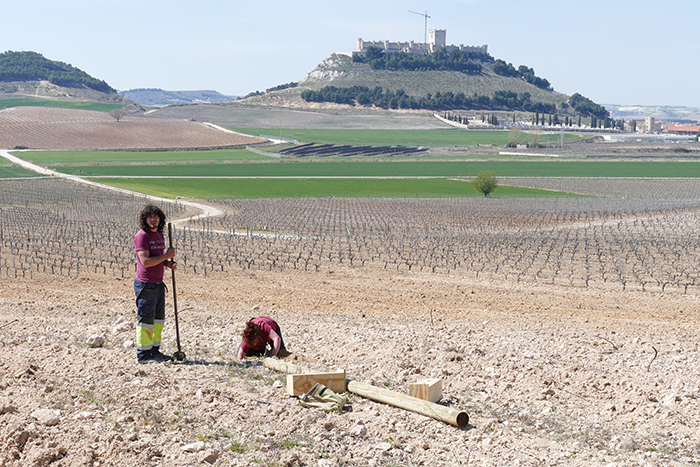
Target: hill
[
  {"x": 30, "y": 74},
  {"x": 665, "y": 113},
  {"x": 32, "y": 66},
  {"x": 493, "y": 79},
  {"x": 158, "y": 97}
]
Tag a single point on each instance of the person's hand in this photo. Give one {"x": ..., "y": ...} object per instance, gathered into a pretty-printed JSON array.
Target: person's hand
[
  {"x": 171, "y": 264},
  {"x": 170, "y": 254}
]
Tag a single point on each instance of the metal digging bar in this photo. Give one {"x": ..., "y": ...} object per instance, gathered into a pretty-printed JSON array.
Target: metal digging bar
[{"x": 179, "y": 355}]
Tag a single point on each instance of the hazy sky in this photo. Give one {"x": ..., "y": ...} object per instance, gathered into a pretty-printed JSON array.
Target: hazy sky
[{"x": 614, "y": 52}]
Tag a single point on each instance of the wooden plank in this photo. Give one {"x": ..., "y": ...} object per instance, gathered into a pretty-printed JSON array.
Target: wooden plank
[
  {"x": 426, "y": 389},
  {"x": 301, "y": 383}
]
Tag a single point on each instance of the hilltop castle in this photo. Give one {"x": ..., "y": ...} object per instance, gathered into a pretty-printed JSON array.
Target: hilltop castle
[{"x": 437, "y": 38}]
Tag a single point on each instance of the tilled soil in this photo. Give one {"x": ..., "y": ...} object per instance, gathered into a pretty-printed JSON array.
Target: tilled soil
[
  {"x": 55, "y": 128},
  {"x": 549, "y": 375}
]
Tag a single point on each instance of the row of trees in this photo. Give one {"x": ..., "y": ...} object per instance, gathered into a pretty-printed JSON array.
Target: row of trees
[
  {"x": 502, "y": 68},
  {"x": 279, "y": 87},
  {"x": 554, "y": 120},
  {"x": 364, "y": 96},
  {"x": 457, "y": 60},
  {"x": 31, "y": 66}
]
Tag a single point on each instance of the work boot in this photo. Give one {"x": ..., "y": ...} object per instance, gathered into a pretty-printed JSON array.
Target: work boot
[
  {"x": 144, "y": 357},
  {"x": 157, "y": 355}
]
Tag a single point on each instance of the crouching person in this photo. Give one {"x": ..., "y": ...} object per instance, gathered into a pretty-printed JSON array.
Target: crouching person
[{"x": 258, "y": 333}]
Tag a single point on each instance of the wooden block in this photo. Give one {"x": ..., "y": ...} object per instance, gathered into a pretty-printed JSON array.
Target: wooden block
[
  {"x": 426, "y": 389},
  {"x": 302, "y": 383}
]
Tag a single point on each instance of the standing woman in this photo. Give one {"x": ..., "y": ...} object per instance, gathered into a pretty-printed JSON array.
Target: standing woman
[{"x": 151, "y": 260}]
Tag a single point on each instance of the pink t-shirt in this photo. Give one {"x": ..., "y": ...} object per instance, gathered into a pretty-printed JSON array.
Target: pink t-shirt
[
  {"x": 267, "y": 324},
  {"x": 154, "y": 244}
]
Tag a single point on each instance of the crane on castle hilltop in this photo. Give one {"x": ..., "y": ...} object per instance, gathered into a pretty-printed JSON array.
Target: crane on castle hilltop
[{"x": 425, "y": 41}]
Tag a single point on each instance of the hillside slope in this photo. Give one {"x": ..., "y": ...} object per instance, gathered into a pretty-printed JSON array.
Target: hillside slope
[
  {"x": 30, "y": 74},
  {"x": 44, "y": 89},
  {"x": 341, "y": 71}
]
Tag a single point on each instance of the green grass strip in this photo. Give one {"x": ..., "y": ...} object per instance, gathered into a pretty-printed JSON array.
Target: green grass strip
[
  {"x": 90, "y": 158},
  {"x": 35, "y": 102},
  {"x": 534, "y": 168},
  {"x": 315, "y": 188},
  {"x": 13, "y": 172}
]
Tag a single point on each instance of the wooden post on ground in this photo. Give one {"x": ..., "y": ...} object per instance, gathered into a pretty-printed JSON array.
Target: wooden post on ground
[
  {"x": 403, "y": 401},
  {"x": 385, "y": 396},
  {"x": 286, "y": 367}
]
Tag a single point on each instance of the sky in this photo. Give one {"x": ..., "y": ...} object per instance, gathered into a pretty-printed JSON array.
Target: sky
[{"x": 619, "y": 52}]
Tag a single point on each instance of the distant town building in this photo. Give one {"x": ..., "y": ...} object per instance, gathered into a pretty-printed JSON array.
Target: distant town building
[
  {"x": 691, "y": 130},
  {"x": 437, "y": 38},
  {"x": 649, "y": 125}
]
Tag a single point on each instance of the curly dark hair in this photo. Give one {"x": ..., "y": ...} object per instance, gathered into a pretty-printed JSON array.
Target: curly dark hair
[
  {"x": 254, "y": 336},
  {"x": 147, "y": 211}
]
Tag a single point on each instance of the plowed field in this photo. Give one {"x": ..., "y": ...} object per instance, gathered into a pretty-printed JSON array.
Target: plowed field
[{"x": 54, "y": 128}]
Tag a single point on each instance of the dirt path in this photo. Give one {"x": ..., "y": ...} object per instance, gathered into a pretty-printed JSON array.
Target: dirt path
[{"x": 205, "y": 210}]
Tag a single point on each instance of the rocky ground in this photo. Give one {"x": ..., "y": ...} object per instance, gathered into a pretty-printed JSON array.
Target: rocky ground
[{"x": 549, "y": 375}]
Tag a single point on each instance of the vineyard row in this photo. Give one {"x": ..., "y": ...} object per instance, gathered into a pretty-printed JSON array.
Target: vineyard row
[{"x": 58, "y": 227}]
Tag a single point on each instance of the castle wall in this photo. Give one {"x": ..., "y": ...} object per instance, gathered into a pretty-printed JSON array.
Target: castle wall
[{"x": 437, "y": 38}]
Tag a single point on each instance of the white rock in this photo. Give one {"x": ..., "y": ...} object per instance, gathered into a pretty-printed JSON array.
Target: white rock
[
  {"x": 277, "y": 384},
  {"x": 83, "y": 416},
  {"x": 128, "y": 344},
  {"x": 122, "y": 327},
  {"x": 194, "y": 447},
  {"x": 359, "y": 431},
  {"x": 671, "y": 398},
  {"x": 95, "y": 340},
  {"x": 383, "y": 446},
  {"x": 47, "y": 417}
]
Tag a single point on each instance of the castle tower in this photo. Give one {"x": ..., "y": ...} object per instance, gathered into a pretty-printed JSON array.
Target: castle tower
[{"x": 437, "y": 38}]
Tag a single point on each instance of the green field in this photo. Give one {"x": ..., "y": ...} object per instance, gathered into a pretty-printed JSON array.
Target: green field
[
  {"x": 89, "y": 158},
  {"x": 240, "y": 173},
  {"x": 449, "y": 137},
  {"x": 314, "y": 188},
  {"x": 36, "y": 102},
  {"x": 7, "y": 171},
  {"x": 336, "y": 168}
]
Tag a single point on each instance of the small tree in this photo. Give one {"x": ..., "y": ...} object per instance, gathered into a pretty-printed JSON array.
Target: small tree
[
  {"x": 514, "y": 136},
  {"x": 118, "y": 114},
  {"x": 485, "y": 182}
]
